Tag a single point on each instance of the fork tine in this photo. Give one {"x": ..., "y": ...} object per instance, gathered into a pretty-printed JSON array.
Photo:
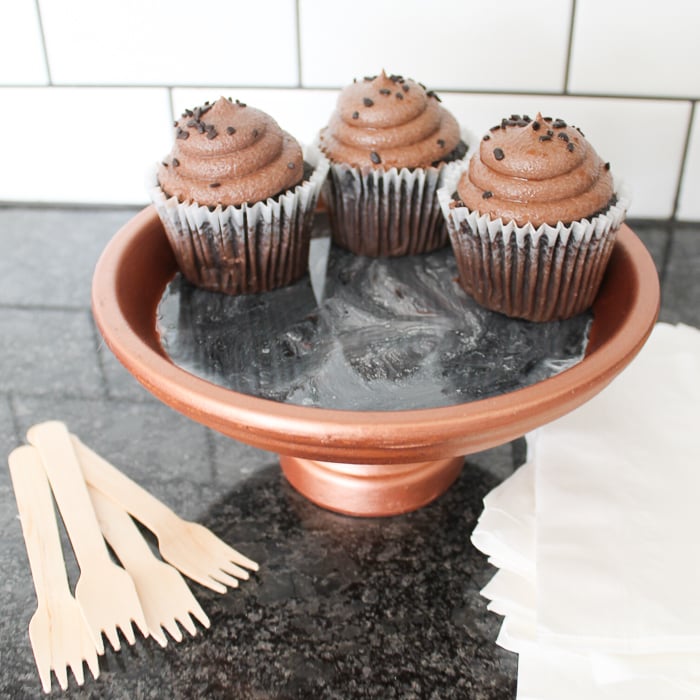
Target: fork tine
[
  {"x": 234, "y": 570},
  {"x": 76, "y": 665},
  {"x": 93, "y": 664},
  {"x": 158, "y": 634},
  {"x": 188, "y": 623},
  {"x": 200, "y": 614},
  {"x": 113, "y": 637},
  {"x": 173, "y": 629},
  {"x": 128, "y": 631},
  {"x": 62, "y": 674},
  {"x": 44, "y": 674},
  {"x": 224, "y": 578}
]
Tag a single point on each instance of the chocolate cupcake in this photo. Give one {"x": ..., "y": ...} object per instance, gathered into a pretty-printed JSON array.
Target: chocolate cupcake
[
  {"x": 391, "y": 144},
  {"x": 236, "y": 197},
  {"x": 533, "y": 219}
]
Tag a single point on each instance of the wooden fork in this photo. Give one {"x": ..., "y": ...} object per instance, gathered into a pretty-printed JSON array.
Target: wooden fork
[
  {"x": 104, "y": 591},
  {"x": 58, "y": 632},
  {"x": 164, "y": 595},
  {"x": 189, "y": 547}
]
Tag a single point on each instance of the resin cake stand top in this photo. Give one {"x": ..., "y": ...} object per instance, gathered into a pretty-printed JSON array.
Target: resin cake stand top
[{"x": 362, "y": 462}]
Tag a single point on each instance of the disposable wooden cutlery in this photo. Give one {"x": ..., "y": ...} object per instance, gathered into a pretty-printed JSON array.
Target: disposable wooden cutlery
[
  {"x": 105, "y": 591},
  {"x": 189, "y": 547},
  {"x": 58, "y": 631},
  {"x": 165, "y": 598}
]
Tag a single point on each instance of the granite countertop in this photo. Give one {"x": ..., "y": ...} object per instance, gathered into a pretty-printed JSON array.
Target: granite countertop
[{"x": 341, "y": 607}]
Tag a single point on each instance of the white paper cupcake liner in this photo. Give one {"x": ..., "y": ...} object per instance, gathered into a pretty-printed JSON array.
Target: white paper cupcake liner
[
  {"x": 388, "y": 213},
  {"x": 536, "y": 273},
  {"x": 244, "y": 249}
]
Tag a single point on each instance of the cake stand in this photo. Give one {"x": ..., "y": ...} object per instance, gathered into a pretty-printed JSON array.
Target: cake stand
[{"x": 364, "y": 463}]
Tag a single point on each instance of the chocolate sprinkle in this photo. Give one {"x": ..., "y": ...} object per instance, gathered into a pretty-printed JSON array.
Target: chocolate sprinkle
[
  {"x": 176, "y": 162},
  {"x": 432, "y": 93},
  {"x": 374, "y": 157},
  {"x": 570, "y": 147},
  {"x": 441, "y": 143},
  {"x": 230, "y": 130},
  {"x": 486, "y": 137},
  {"x": 564, "y": 137},
  {"x": 536, "y": 126},
  {"x": 385, "y": 91},
  {"x": 241, "y": 104},
  {"x": 399, "y": 96},
  {"x": 498, "y": 154},
  {"x": 212, "y": 133},
  {"x": 369, "y": 78},
  {"x": 607, "y": 166},
  {"x": 255, "y": 133},
  {"x": 355, "y": 115},
  {"x": 215, "y": 184},
  {"x": 546, "y": 137},
  {"x": 550, "y": 132},
  {"x": 559, "y": 124},
  {"x": 182, "y": 134},
  {"x": 367, "y": 102},
  {"x": 163, "y": 163},
  {"x": 487, "y": 195},
  {"x": 495, "y": 128},
  {"x": 406, "y": 87}
]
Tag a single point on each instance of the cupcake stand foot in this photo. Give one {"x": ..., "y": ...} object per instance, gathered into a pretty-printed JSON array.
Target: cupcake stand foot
[{"x": 370, "y": 490}]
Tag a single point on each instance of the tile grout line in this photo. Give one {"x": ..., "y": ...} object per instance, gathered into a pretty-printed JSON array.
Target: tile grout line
[
  {"x": 684, "y": 158},
  {"x": 42, "y": 36},
  {"x": 567, "y": 65},
  {"x": 297, "y": 23}
]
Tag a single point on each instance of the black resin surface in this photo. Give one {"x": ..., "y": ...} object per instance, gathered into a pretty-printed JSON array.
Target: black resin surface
[{"x": 364, "y": 334}]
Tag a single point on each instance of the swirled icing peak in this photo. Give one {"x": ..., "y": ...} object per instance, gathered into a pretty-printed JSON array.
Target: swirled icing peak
[
  {"x": 228, "y": 153},
  {"x": 389, "y": 121},
  {"x": 536, "y": 170}
]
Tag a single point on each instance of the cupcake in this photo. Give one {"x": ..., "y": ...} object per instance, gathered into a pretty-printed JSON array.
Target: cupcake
[
  {"x": 390, "y": 143},
  {"x": 236, "y": 198},
  {"x": 533, "y": 219}
]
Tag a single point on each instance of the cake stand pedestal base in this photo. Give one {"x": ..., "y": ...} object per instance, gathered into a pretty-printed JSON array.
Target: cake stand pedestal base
[{"x": 371, "y": 490}]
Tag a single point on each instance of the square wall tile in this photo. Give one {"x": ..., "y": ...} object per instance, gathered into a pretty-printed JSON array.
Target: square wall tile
[
  {"x": 21, "y": 52},
  {"x": 618, "y": 129},
  {"x": 171, "y": 42},
  {"x": 689, "y": 200},
  {"x": 636, "y": 48},
  {"x": 475, "y": 45},
  {"x": 300, "y": 112},
  {"x": 89, "y": 145}
]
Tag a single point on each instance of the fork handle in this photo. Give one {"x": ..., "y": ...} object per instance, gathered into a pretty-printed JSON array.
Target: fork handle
[
  {"x": 52, "y": 440},
  {"x": 134, "y": 499},
  {"x": 39, "y": 527},
  {"x": 121, "y": 532}
]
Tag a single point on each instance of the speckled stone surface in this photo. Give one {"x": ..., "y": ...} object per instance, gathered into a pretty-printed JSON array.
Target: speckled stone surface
[{"x": 342, "y": 607}]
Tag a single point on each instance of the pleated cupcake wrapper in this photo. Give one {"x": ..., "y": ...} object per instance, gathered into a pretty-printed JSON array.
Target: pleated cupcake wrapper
[
  {"x": 388, "y": 213},
  {"x": 245, "y": 249},
  {"x": 538, "y": 274}
]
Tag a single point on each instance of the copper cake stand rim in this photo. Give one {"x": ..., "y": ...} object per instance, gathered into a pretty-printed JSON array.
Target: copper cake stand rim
[{"x": 137, "y": 263}]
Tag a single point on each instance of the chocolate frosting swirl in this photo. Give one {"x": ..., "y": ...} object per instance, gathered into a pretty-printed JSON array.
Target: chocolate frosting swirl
[
  {"x": 540, "y": 171},
  {"x": 389, "y": 121},
  {"x": 230, "y": 154}
]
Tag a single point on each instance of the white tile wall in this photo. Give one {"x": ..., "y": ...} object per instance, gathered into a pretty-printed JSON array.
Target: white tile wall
[
  {"x": 21, "y": 52},
  {"x": 83, "y": 145},
  {"x": 623, "y": 47},
  {"x": 476, "y": 45},
  {"x": 170, "y": 42},
  {"x": 101, "y": 113}
]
